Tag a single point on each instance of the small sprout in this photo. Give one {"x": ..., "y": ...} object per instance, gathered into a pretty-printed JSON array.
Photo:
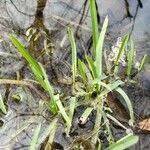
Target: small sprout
[{"x": 16, "y": 98}]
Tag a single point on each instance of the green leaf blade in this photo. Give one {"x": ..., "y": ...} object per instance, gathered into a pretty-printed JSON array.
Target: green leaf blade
[
  {"x": 82, "y": 70},
  {"x": 91, "y": 66},
  {"x": 62, "y": 111},
  {"x": 99, "y": 48},
  {"x": 26, "y": 54},
  {"x": 122, "y": 48},
  {"x": 94, "y": 21},
  {"x": 35, "y": 137},
  {"x": 124, "y": 143},
  {"x": 143, "y": 62},
  {"x": 74, "y": 53},
  {"x": 130, "y": 58}
]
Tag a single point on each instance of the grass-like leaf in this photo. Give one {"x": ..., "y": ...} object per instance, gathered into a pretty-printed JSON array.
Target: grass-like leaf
[
  {"x": 107, "y": 124},
  {"x": 98, "y": 120},
  {"x": 88, "y": 72},
  {"x": 35, "y": 137},
  {"x": 39, "y": 77},
  {"x": 26, "y": 55},
  {"x": 94, "y": 21},
  {"x": 86, "y": 114},
  {"x": 91, "y": 66},
  {"x": 97, "y": 81},
  {"x": 62, "y": 110},
  {"x": 74, "y": 53},
  {"x": 38, "y": 71},
  {"x": 122, "y": 48},
  {"x": 2, "y": 105},
  {"x": 124, "y": 143},
  {"x": 116, "y": 121},
  {"x": 32, "y": 62},
  {"x": 130, "y": 58},
  {"x": 143, "y": 62},
  {"x": 82, "y": 70},
  {"x": 49, "y": 132},
  {"x": 128, "y": 102},
  {"x": 71, "y": 111},
  {"x": 111, "y": 86},
  {"x": 49, "y": 88},
  {"x": 99, "y": 47}
]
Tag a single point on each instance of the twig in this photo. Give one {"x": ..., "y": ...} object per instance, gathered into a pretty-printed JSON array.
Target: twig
[{"x": 25, "y": 83}]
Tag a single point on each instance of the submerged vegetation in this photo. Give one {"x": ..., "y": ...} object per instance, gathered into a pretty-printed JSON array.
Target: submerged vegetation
[{"x": 95, "y": 83}]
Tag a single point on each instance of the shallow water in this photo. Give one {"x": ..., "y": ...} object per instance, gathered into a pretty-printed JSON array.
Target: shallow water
[{"x": 16, "y": 16}]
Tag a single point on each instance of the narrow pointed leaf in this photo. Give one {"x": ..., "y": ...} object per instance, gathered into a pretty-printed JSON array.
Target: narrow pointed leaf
[
  {"x": 99, "y": 47},
  {"x": 124, "y": 143},
  {"x": 130, "y": 58},
  {"x": 35, "y": 137},
  {"x": 143, "y": 62},
  {"x": 26, "y": 54},
  {"x": 91, "y": 66},
  {"x": 82, "y": 70},
  {"x": 122, "y": 48},
  {"x": 74, "y": 53},
  {"x": 94, "y": 20},
  {"x": 111, "y": 86},
  {"x": 62, "y": 110}
]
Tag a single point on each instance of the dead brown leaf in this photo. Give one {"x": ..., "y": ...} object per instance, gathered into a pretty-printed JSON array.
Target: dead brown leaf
[
  {"x": 144, "y": 124},
  {"x": 118, "y": 109}
]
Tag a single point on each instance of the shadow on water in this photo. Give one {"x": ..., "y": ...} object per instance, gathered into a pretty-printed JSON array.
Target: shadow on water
[{"x": 53, "y": 17}]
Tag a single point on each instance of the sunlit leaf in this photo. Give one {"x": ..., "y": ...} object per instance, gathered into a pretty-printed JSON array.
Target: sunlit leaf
[
  {"x": 111, "y": 86},
  {"x": 143, "y": 62},
  {"x": 85, "y": 115},
  {"x": 62, "y": 110},
  {"x": 94, "y": 21},
  {"x": 124, "y": 142},
  {"x": 26, "y": 55},
  {"x": 49, "y": 89},
  {"x": 122, "y": 48},
  {"x": 74, "y": 53},
  {"x": 99, "y": 47}
]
